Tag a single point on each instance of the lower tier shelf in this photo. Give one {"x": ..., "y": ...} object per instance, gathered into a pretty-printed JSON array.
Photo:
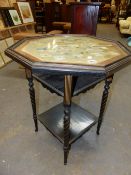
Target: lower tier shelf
[{"x": 80, "y": 121}]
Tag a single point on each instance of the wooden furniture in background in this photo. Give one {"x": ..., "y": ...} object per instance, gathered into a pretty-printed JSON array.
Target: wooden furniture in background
[
  {"x": 77, "y": 18},
  {"x": 84, "y": 17},
  {"x": 4, "y": 3},
  {"x": 52, "y": 13},
  {"x": 11, "y": 31},
  {"x": 39, "y": 15},
  {"x": 55, "y": 12},
  {"x": 105, "y": 13},
  {"x": 9, "y": 35},
  {"x": 128, "y": 10}
]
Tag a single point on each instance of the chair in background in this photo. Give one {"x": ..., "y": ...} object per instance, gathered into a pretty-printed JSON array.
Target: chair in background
[
  {"x": 56, "y": 16},
  {"x": 125, "y": 26},
  {"x": 51, "y": 14}
]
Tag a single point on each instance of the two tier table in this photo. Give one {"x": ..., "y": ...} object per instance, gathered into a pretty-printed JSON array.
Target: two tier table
[{"x": 69, "y": 65}]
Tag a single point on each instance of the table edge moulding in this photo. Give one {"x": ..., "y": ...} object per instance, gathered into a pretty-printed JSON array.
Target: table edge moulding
[{"x": 67, "y": 121}]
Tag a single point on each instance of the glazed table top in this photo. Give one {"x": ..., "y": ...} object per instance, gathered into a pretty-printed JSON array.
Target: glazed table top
[{"x": 70, "y": 50}]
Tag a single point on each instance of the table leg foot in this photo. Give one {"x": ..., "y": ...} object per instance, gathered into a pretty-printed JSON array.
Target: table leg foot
[
  {"x": 108, "y": 81},
  {"x": 66, "y": 133},
  {"x": 67, "y": 108},
  {"x": 36, "y": 124},
  {"x": 66, "y": 152}
]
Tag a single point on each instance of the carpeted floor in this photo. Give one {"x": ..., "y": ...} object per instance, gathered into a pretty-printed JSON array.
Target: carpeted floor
[
  {"x": 24, "y": 152},
  {"x": 111, "y": 31}
]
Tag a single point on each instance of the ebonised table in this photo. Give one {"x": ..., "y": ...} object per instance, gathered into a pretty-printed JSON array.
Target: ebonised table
[{"x": 69, "y": 65}]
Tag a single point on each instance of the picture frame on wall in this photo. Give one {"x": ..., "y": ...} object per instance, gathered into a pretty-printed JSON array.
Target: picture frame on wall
[
  {"x": 6, "y": 17},
  {"x": 15, "y": 17},
  {"x": 25, "y": 11}
]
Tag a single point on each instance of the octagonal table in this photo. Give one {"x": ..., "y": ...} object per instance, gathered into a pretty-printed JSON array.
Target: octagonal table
[{"x": 68, "y": 65}]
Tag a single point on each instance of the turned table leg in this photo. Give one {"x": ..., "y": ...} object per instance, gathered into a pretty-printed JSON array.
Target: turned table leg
[
  {"x": 108, "y": 81},
  {"x": 67, "y": 108},
  {"x": 32, "y": 96}
]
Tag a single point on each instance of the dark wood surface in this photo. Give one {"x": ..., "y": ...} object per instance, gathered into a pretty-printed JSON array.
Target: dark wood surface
[
  {"x": 50, "y": 15},
  {"x": 56, "y": 12},
  {"x": 55, "y": 83},
  {"x": 65, "y": 13},
  {"x": 84, "y": 17},
  {"x": 39, "y": 15},
  {"x": 81, "y": 121}
]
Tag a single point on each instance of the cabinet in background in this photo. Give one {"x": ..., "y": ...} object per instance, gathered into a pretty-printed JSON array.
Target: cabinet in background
[{"x": 39, "y": 15}]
